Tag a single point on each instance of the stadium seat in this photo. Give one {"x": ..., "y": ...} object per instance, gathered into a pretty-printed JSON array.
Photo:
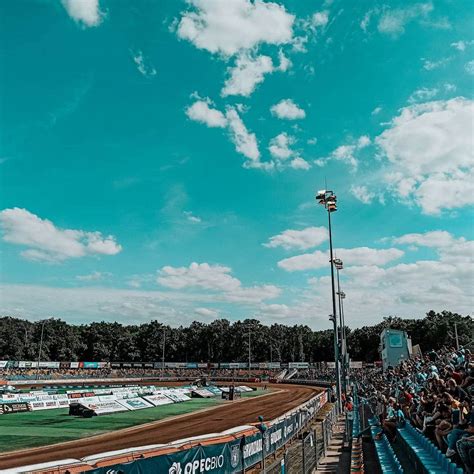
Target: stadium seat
[{"x": 428, "y": 455}]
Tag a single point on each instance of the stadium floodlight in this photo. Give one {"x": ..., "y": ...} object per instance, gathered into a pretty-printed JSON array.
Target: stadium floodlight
[
  {"x": 338, "y": 263},
  {"x": 328, "y": 199}
]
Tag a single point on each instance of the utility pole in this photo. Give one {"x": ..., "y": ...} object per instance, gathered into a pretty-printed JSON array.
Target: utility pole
[
  {"x": 40, "y": 348},
  {"x": 164, "y": 346}
]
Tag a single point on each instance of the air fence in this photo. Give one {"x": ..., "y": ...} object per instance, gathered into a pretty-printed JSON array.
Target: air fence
[{"x": 232, "y": 451}]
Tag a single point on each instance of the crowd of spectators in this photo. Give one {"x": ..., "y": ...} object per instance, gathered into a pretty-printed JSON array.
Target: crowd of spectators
[
  {"x": 13, "y": 374},
  {"x": 435, "y": 393}
]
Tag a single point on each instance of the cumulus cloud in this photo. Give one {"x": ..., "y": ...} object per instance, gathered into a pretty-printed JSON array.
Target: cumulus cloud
[
  {"x": 206, "y": 312},
  {"x": 351, "y": 257},
  {"x": 280, "y": 146},
  {"x": 347, "y": 153},
  {"x": 320, "y": 19},
  {"x": 247, "y": 73},
  {"x": 461, "y": 45},
  {"x": 429, "y": 149},
  {"x": 203, "y": 112},
  {"x": 216, "y": 278},
  {"x": 431, "y": 65},
  {"x": 245, "y": 142},
  {"x": 299, "y": 163},
  {"x": 48, "y": 243},
  {"x": 299, "y": 239},
  {"x": 86, "y": 12},
  {"x": 229, "y": 27},
  {"x": 287, "y": 109}
]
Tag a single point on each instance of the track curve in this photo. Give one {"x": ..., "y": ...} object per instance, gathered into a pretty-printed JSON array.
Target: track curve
[{"x": 215, "y": 420}]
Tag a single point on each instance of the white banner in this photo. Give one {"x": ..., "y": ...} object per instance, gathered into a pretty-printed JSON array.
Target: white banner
[
  {"x": 177, "y": 397},
  {"x": 3, "y": 364},
  {"x": 44, "y": 405},
  {"x": 158, "y": 399},
  {"x": 298, "y": 365},
  {"x": 355, "y": 364},
  {"x": 102, "y": 408},
  {"x": 134, "y": 403}
]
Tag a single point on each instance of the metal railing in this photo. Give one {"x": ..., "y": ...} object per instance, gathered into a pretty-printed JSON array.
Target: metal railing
[{"x": 305, "y": 452}]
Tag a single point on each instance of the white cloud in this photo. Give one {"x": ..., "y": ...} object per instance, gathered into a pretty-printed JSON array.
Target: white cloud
[
  {"x": 280, "y": 146},
  {"x": 285, "y": 62},
  {"x": 245, "y": 142},
  {"x": 377, "y": 110},
  {"x": 422, "y": 95},
  {"x": 206, "y": 312},
  {"x": 393, "y": 21},
  {"x": 192, "y": 218},
  {"x": 46, "y": 242},
  {"x": 320, "y": 19},
  {"x": 347, "y": 153},
  {"x": 84, "y": 11},
  {"x": 299, "y": 163},
  {"x": 201, "y": 111},
  {"x": 469, "y": 67},
  {"x": 429, "y": 148},
  {"x": 287, "y": 109},
  {"x": 299, "y": 239},
  {"x": 247, "y": 73},
  {"x": 312, "y": 141},
  {"x": 362, "y": 194},
  {"x": 143, "y": 68},
  {"x": 201, "y": 275},
  {"x": 431, "y": 65},
  {"x": 350, "y": 257},
  {"x": 229, "y": 27},
  {"x": 94, "y": 276},
  {"x": 461, "y": 45},
  {"x": 216, "y": 278}
]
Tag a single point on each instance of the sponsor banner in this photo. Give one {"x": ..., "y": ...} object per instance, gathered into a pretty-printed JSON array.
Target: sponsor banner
[
  {"x": 298, "y": 365},
  {"x": 212, "y": 459},
  {"x": 26, "y": 364},
  {"x": 102, "y": 408},
  {"x": 74, "y": 365},
  {"x": 91, "y": 365},
  {"x": 331, "y": 365},
  {"x": 237, "y": 365},
  {"x": 137, "y": 365},
  {"x": 115, "y": 365},
  {"x": 191, "y": 365},
  {"x": 107, "y": 398},
  {"x": 177, "y": 397},
  {"x": 355, "y": 364},
  {"x": 136, "y": 403},
  {"x": 44, "y": 404},
  {"x": 203, "y": 393},
  {"x": 6, "y": 408},
  {"x": 48, "y": 365},
  {"x": 148, "y": 365},
  {"x": 158, "y": 399},
  {"x": 202, "y": 365},
  {"x": 3, "y": 364},
  {"x": 80, "y": 394},
  {"x": 215, "y": 390}
]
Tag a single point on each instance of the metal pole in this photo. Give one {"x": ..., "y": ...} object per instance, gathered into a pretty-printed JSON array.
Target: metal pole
[
  {"x": 40, "y": 348},
  {"x": 346, "y": 361},
  {"x": 164, "y": 346},
  {"x": 456, "y": 333},
  {"x": 250, "y": 352},
  {"x": 334, "y": 313},
  {"x": 341, "y": 329}
]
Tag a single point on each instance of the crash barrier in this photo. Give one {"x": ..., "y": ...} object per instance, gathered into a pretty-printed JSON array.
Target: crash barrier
[
  {"x": 387, "y": 458},
  {"x": 227, "y": 452},
  {"x": 424, "y": 454},
  {"x": 357, "y": 462}
]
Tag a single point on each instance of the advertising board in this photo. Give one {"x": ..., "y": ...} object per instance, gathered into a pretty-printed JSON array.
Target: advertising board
[
  {"x": 136, "y": 403},
  {"x": 158, "y": 399}
]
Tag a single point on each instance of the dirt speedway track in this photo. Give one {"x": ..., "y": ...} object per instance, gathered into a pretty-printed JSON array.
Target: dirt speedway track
[{"x": 215, "y": 420}]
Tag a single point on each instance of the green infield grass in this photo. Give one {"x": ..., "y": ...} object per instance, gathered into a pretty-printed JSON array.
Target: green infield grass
[{"x": 39, "y": 428}]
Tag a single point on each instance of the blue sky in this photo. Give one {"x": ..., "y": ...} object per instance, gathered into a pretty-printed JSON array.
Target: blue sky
[{"x": 160, "y": 160}]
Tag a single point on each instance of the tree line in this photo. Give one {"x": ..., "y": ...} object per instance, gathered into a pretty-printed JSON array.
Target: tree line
[{"x": 218, "y": 341}]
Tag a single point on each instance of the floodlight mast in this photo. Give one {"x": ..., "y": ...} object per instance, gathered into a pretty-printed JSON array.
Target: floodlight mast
[{"x": 328, "y": 199}]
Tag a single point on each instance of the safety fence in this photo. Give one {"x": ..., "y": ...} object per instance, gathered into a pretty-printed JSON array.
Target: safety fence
[
  {"x": 303, "y": 454},
  {"x": 228, "y": 452}
]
